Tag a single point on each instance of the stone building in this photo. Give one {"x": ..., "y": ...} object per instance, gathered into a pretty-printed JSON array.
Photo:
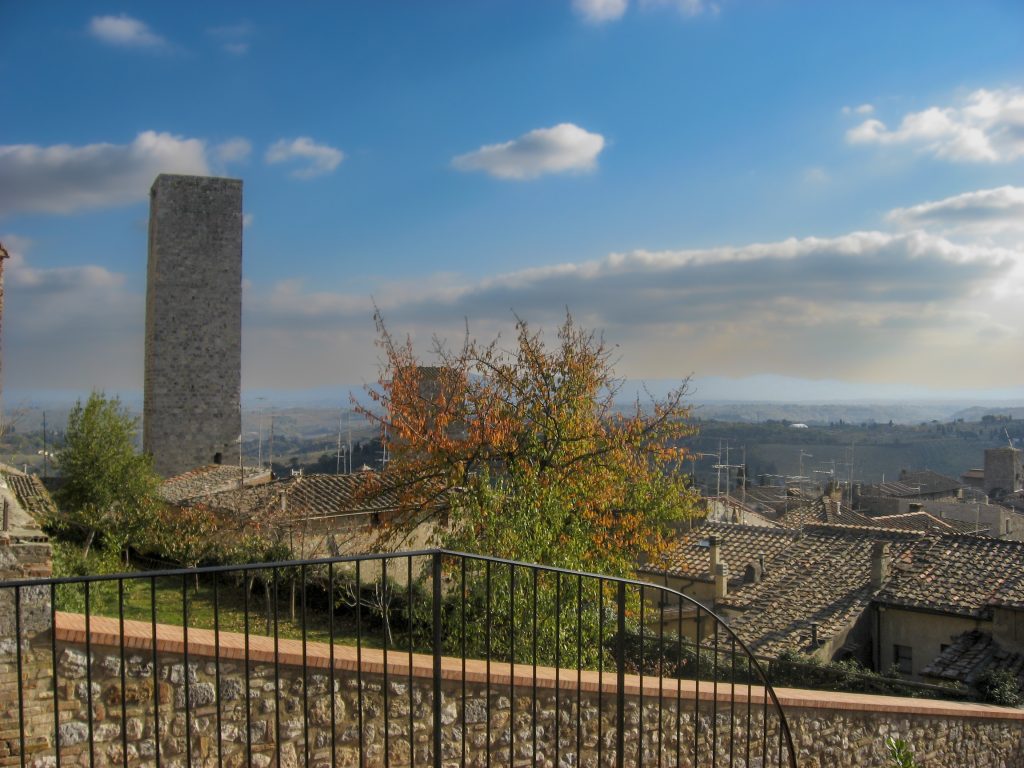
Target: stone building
[{"x": 191, "y": 414}]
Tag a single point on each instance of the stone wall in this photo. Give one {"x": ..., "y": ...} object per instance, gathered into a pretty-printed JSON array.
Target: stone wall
[
  {"x": 193, "y": 322},
  {"x": 286, "y": 701}
]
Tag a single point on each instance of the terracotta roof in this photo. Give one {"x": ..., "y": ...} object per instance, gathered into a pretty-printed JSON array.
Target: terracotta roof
[
  {"x": 972, "y": 653},
  {"x": 31, "y": 494},
  {"x": 962, "y": 575},
  {"x": 740, "y": 545},
  {"x": 925, "y": 482},
  {"x": 821, "y": 510},
  {"x": 925, "y": 522},
  {"x": 205, "y": 481},
  {"x": 824, "y": 577}
]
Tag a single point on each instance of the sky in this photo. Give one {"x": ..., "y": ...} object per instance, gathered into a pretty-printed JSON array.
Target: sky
[{"x": 781, "y": 199}]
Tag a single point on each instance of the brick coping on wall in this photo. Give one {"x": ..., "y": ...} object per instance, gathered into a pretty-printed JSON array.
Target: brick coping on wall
[{"x": 138, "y": 635}]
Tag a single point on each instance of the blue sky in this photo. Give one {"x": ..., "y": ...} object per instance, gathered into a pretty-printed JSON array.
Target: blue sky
[{"x": 763, "y": 194}]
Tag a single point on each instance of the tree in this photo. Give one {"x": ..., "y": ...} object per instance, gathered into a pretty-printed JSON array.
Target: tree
[
  {"x": 527, "y": 451},
  {"x": 108, "y": 489}
]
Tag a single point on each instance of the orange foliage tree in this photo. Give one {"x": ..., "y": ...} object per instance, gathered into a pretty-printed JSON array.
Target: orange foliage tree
[{"x": 526, "y": 451}]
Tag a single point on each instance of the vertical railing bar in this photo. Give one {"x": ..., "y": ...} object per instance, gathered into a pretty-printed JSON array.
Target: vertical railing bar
[
  {"x": 533, "y": 692},
  {"x": 124, "y": 680},
  {"x": 88, "y": 674},
  {"x": 386, "y": 603},
  {"x": 188, "y": 688},
  {"x": 764, "y": 720},
  {"x": 732, "y": 698},
  {"x": 359, "y": 659},
  {"x": 512, "y": 663},
  {"x": 305, "y": 672},
  {"x": 487, "y": 655},
  {"x": 21, "y": 685},
  {"x": 332, "y": 675},
  {"x": 600, "y": 670},
  {"x": 558, "y": 665},
  {"x": 643, "y": 639},
  {"x": 620, "y": 674},
  {"x": 661, "y": 676},
  {"x": 714, "y": 702},
  {"x": 579, "y": 666},
  {"x": 53, "y": 659},
  {"x": 412, "y": 706},
  {"x": 156, "y": 672},
  {"x": 275, "y": 574},
  {"x": 246, "y": 586},
  {"x": 749, "y": 708},
  {"x": 679, "y": 684},
  {"x": 462, "y": 633},
  {"x": 216, "y": 668},
  {"x": 436, "y": 616},
  {"x": 696, "y": 690}
]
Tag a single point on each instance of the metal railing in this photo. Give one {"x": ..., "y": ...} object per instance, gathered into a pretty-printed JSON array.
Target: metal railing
[{"x": 423, "y": 658}]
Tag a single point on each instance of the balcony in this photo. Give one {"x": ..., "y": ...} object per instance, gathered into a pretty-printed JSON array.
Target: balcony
[{"x": 424, "y": 658}]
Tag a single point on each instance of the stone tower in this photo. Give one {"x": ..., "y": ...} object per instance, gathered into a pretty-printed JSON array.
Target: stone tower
[
  {"x": 193, "y": 373},
  {"x": 1003, "y": 471}
]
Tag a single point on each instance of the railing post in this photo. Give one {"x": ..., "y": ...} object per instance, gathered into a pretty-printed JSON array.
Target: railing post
[
  {"x": 620, "y": 679},
  {"x": 437, "y": 657}
]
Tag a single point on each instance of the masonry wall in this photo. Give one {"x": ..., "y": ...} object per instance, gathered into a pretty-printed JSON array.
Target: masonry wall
[
  {"x": 286, "y": 702},
  {"x": 193, "y": 322}
]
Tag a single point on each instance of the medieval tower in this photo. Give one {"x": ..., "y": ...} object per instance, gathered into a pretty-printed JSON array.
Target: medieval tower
[{"x": 191, "y": 413}]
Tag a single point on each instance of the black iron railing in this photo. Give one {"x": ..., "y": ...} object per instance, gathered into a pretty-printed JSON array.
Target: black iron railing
[{"x": 423, "y": 658}]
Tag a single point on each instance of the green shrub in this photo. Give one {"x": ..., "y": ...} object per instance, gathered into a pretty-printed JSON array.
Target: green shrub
[
  {"x": 999, "y": 686},
  {"x": 900, "y": 754}
]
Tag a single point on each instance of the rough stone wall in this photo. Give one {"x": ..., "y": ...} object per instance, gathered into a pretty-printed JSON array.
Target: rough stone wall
[
  {"x": 282, "y": 707},
  {"x": 193, "y": 322}
]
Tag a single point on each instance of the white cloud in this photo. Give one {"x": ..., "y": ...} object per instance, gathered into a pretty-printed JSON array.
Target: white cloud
[
  {"x": 124, "y": 31},
  {"x": 234, "y": 38},
  {"x": 815, "y": 175},
  {"x": 562, "y": 148},
  {"x": 600, "y": 11},
  {"x": 685, "y": 7},
  {"x": 248, "y": 219},
  {"x": 866, "y": 305},
  {"x": 63, "y": 178},
  {"x": 985, "y": 212},
  {"x": 863, "y": 109},
  {"x": 987, "y": 127},
  {"x": 233, "y": 150},
  {"x": 319, "y": 158},
  {"x": 74, "y": 326}
]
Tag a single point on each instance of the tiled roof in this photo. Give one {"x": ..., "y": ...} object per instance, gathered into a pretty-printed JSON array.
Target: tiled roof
[
  {"x": 824, "y": 577},
  {"x": 740, "y": 545},
  {"x": 962, "y": 575},
  {"x": 204, "y": 481},
  {"x": 31, "y": 494},
  {"x": 820, "y": 511},
  {"x": 972, "y": 653},
  {"x": 925, "y": 522},
  {"x": 889, "y": 488},
  {"x": 928, "y": 483}
]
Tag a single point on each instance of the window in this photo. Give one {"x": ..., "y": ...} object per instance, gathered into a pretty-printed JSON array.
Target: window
[{"x": 903, "y": 658}]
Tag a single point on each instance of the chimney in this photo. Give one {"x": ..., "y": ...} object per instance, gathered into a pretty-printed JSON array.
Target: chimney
[
  {"x": 814, "y": 634},
  {"x": 721, "y": 581},
  {"x": 284, "y": 502},
  {"x": 880, "y": 561},
  {"x": 715, "y": 553}
]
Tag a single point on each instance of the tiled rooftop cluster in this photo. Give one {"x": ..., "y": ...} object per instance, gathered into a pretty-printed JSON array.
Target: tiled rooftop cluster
[
  {"x": 964, "y": 575},
  {"x": 824, "y": 578},
  {"x": 971, "y": 654},
  {"x": 739, "y": 545},
  {"x": 208, "y": 480}
]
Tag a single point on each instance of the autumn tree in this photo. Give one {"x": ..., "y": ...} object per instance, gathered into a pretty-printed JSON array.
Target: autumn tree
[
  {"x": 108, "y": 488},
  {"x": 527, "y": 450}
]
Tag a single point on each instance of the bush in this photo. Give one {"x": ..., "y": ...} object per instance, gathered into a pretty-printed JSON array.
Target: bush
[
  {"x": 69, "y": 560},
  {"x": 999, "y": 686}
]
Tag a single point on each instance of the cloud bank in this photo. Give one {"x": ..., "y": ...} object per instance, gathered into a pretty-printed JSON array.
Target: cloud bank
[
  {"x": 987, "y": 127},
  {"x": 64, "y": 179},
  {"x": 984, "y": 212},
  {"x": 124, "y": 31},
  {"x": 560, "y": 149},
  {"x": 314, "y": 159}
]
